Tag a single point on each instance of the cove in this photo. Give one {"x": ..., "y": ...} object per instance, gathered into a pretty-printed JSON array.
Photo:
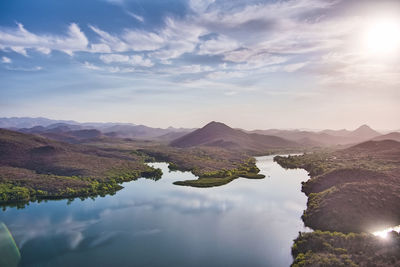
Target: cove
[{"x": 155, "y": 223}]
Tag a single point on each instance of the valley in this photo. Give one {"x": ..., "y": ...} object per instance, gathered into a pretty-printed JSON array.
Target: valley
[{"x": 352, "y": 191}]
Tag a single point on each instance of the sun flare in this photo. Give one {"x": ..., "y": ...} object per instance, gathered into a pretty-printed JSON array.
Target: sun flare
[{"x": 382, "y": 36}]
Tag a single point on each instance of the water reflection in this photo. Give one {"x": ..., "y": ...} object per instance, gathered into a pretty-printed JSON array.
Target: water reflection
[
  {"x": 244, "y": 223},
  {"x": 384, "y": 233}
]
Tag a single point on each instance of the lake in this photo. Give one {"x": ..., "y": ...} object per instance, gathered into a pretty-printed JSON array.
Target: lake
[{"x": 155, "y": 223}]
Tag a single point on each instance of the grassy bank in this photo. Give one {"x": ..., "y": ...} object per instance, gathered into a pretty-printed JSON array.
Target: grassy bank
[{"x": 81, "y": 187}]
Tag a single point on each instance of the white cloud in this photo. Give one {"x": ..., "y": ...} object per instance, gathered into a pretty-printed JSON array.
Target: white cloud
[
  {"x": 188, "y": 69},
  {"x": 137, "y": 40},
  {"x": 91, "y": 66},
  {"x": 108, "y": 42},
  {"x": 294, "y": 67},
  {"x": 217, "y": 46},
  {"x": 200, "y": 6},
  {"x": 20, "y": 39},
  {"x": 36, "y": 68},
  {"x": 132, "y": 60},
  {"x": 135, "y": 16},
  {"x": 6, "y": 60}
]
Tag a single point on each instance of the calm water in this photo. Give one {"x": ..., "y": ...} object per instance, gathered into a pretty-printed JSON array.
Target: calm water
[{"x": 155, "y": 223}]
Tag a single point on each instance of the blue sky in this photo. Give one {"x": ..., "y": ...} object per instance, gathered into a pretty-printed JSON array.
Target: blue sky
[{"x": 251, "y": 64}]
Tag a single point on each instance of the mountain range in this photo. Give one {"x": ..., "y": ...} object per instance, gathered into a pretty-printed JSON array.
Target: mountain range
[
  {"x": 213, "y": 134},
  {"x": 325, "y": 137},
  {"x": 75, "y": 132}
]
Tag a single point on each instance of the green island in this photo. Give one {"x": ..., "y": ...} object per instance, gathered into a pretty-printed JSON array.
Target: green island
[
  {"x": 213, "y": 166},
  {"x": 352, "y": 193}
]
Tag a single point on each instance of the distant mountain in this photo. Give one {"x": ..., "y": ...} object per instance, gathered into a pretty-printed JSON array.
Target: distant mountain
[
  {"x": 217, "y": 134},
  {"x": 340, "y": 133},
  {"x": 364, "y": 132},
  {"x": 140, "y": 131},
  {"x": 63, "y": 130},
  {"x": 325, "y": 137},
  {"x": 308, "y": 138},
  {"x": 26, "y": 122},
  {"x": 390, "y": 136}
]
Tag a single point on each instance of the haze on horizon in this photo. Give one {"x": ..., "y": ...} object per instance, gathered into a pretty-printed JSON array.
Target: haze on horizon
[{"x": 250, "y": 64}]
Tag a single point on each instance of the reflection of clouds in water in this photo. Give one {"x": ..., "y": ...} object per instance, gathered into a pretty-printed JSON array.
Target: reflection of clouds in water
[
  {"x": 181, "y": 201},
  {"x": 103, "y": 238},
  {"x": 294, "y": 206},
  {"x": 73, "y": 239},
  {"x": 71, "y": 229}
]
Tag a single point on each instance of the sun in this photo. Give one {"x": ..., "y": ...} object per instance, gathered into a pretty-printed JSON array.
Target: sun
[{"x": 382, "y": 36}]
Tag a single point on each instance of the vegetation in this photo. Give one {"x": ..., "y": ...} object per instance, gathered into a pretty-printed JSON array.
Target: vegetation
[
  {"x": 34, "y": 168},
  {"x": 213, "y": 166},
  {"x": 337, "y": 249},
  {"x": 88, "y": 187},
  {"x": 222, "y": 177},
  {"x": 351, "y": 190}
]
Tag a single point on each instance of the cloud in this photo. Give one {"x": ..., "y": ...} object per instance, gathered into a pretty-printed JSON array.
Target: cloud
[
  {"x": 135, "y": 16},
  {"x": 221, "y": 44},
  {"x": 108, "y": 42},
  {"x": 237, "y": 39},
  {"x": 19, "y": 40},
  {"x": 136, "y": 60},
  {"x": 91, "y": 66},
  {"x": 138, "y": 40},
  {"x": 110, "y": 69},
  {"x": 188, "y": 69},
  {"x": 36, "y": 68},
  {"x": 6, "y": 60}
]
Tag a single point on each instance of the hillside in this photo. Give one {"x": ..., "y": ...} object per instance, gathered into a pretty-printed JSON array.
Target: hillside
[
  {"x": 345, "y": 186},
  {"x": 390, "y": 136},
  {"x": 32, "y": 166},
  {"x": 216, "y": 134}
]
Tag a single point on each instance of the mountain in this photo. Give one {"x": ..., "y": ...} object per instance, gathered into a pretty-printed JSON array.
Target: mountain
[
  {"x": 64, "y": 130},
  {"x": 340, "y": 133},
  {"x": 27, "y": 122},
  {"x": 390, "y": 136},
  {"x": 307, "y": 138},
  {"x": 363, "y": 132},
  {"x": 325, "y": 137},
  {"x": 171, "y": 136},
  {"x": 217, "y": 134},
  {"x": 140, "y": 131},
  {"x": 374, "y": 146}
]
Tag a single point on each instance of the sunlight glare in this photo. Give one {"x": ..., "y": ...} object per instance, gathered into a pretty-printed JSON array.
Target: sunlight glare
[
  {"x": 384, "y": 233},
  {"x": 382, "y": 36}
]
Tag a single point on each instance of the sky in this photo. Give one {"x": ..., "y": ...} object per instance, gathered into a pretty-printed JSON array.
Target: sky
[{"x": 251, "y": 64}]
